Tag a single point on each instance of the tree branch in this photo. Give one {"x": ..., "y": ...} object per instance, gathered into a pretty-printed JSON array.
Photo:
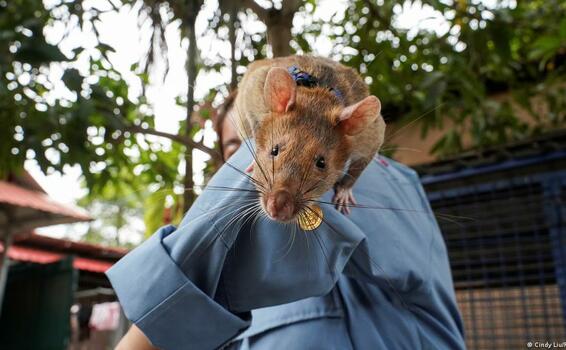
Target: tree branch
[
  {"x": 289, "y": 7},
  {"x": 184, "y": 140},
  {"x": 261, "y": 12},
  {"x": 187, "y": 141},
  {"x": 374, "y": 11}
]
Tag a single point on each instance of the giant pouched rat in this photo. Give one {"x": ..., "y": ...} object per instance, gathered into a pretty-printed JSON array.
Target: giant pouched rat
[{"x": 315, "y": 128}]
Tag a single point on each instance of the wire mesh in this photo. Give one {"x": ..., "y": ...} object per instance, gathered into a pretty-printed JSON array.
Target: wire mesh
[{"x": 505, "y": 239}]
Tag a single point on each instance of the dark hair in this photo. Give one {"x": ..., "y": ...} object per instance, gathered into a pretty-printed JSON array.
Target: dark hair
[{"x": 221, "y": 116}]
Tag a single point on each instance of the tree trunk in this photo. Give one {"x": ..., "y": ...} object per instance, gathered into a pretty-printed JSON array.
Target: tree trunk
[
  {"x": 232, "y": 38},
  {"x": 189, "y": 194},
  {"x": 119, "y": 224},
  {"x": 279, "y": 36},
  {"x": 278, "y": 22}
]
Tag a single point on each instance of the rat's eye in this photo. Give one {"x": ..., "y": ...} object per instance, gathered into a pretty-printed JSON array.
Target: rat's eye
[
  {"x": 320, "y": 162},
  {"x": 275, "y": 150}
]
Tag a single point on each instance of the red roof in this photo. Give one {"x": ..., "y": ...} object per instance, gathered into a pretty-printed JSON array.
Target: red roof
[
  {"x": 31, "y": 207},
  {"x": 32, "y": 255},
  {"x": 44, "y": 250},
  {"x": 22, "y": 197},
  {"x": 70, "y": 247},
  {"x": 91, "y": 265},
  {"x": 25, "y": 180}
]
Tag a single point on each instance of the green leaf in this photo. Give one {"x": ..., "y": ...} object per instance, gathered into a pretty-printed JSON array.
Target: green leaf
[
  {"x": 36, "y": 52},
  {"x": 544, "y": 45},
  {"x": 563, "y": 29},
  {"x": 154, "y": 207},
  {"x": 104, "y": 48},
  {"x": 72, "y": 79}
]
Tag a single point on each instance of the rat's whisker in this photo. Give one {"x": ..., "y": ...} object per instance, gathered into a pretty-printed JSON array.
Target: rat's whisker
[
  {"x": 285, "y": 247},
  {"x": 250, "y": 213},
  {"x": 370, "y": 206},
  {"x": 314, "y": 187},
  {"x": 384, "y": 274},
  {"x": 164, "y": 192},
  {"x": 227, "y": 189},
  {"x": 235, "y": 190},
  {"x": 393, "y": 148},
  {"x": 256, "y": 216},
  {"x": 219, "y": 234},
  {"x": 229, "y": 224},
  {"x": 453, "y": 218},
  {"x": 252, "y": 151},
  {"x": 239, "y": 215},
  {"x": 239, "y": 207},
  {"x": 256, "y": 182},
  {"x": 272, "y": 162},
  {"x": 392, "y": 136},
  {"x": 321, "y": 244},
  {"x": 324, "y": 253},
  {"x": 317, "y": 185},
  {"x": 306, "y": 237},
  {"x": 304, "y": 179},
  {"x": 457, "y": 216},
  {"x": 240, "y": 128},
  {"x": 239, "y": 212},
  {"x": 238, "y": 204},
  {"x": 292, "y": 235}
]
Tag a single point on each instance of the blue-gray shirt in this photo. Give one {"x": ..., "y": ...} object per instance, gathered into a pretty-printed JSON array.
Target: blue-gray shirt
[{"x": 378, "y": 278}]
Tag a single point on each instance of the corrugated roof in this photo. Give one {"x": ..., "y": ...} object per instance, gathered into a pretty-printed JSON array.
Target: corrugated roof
[
  {"x": 25, "y": 180},
  {"x": 40, "y": 256},
  {"x": 15, "y": 195},
  {"x": 92, "y": 265},
  {"x": 23, "y": 209},
  {"x": 44, "y": 250},
  {"x": 71, "y": 247},
  {"x": 543, "y": 144},
  {"x": 32, "y": 255}
]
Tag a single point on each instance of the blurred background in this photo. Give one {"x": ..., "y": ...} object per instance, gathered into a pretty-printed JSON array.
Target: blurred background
[{"x": 108, "y": 111}]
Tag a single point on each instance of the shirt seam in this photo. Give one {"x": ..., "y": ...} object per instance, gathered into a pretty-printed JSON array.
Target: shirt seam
[
  {"x": 296, "y": 318},
  {"x": 201, "y": 250},
  {"x": 433, "y": 236},
  {"x": 340, "y": 299},
  {"x": 150, "y": 311}
]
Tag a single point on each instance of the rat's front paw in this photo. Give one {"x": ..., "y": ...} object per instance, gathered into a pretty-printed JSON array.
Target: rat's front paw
[{"x": 343, "y": 199}]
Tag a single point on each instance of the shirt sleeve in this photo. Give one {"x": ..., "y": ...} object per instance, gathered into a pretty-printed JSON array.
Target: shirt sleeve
[
  {"x": 194, "y": 286},
  {"x": 399, "y": 231},
  {"x": 167, "y": 306}
]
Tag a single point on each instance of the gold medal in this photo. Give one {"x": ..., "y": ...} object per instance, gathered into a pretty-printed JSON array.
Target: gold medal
[{"x": 310, "y": 218}]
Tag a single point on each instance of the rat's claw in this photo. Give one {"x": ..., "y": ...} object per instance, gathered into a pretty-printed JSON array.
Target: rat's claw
[{"x": 343, "y": 198}]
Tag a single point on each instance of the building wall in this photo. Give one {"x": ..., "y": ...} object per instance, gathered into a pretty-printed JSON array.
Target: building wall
[
  {"x": 412, "y": 149},
  {"x": 507, "y": 318}
]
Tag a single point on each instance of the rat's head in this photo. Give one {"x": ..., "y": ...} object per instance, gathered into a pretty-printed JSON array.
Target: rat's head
[{"x": 303, "y": 143}]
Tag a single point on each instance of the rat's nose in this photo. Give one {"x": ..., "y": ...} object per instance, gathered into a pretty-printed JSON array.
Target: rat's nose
[{"x": 279, "y": 205}]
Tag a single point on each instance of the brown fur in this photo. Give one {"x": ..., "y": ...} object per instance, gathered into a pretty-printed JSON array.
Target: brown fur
[{"x": 309, "y": 129}]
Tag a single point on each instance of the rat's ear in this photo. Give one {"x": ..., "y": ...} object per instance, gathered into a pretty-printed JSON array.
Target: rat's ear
[
  {"x": 353, "y": 119},
  {"x": 279, "y": 90}
]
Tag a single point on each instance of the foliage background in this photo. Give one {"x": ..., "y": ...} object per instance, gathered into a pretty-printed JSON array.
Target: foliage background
[{"x": 79, "y": 110}]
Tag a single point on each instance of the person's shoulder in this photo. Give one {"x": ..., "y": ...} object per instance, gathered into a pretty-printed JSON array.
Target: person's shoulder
[
  {"x": 401, "y": 167},
  {"x": 393, "y": 169}
]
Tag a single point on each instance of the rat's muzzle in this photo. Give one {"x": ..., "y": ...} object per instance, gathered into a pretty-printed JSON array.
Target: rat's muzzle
[{"x": 279, "y": 205}]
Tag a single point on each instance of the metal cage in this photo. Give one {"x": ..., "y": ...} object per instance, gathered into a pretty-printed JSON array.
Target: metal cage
[{"x": 503, "y": 218}]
